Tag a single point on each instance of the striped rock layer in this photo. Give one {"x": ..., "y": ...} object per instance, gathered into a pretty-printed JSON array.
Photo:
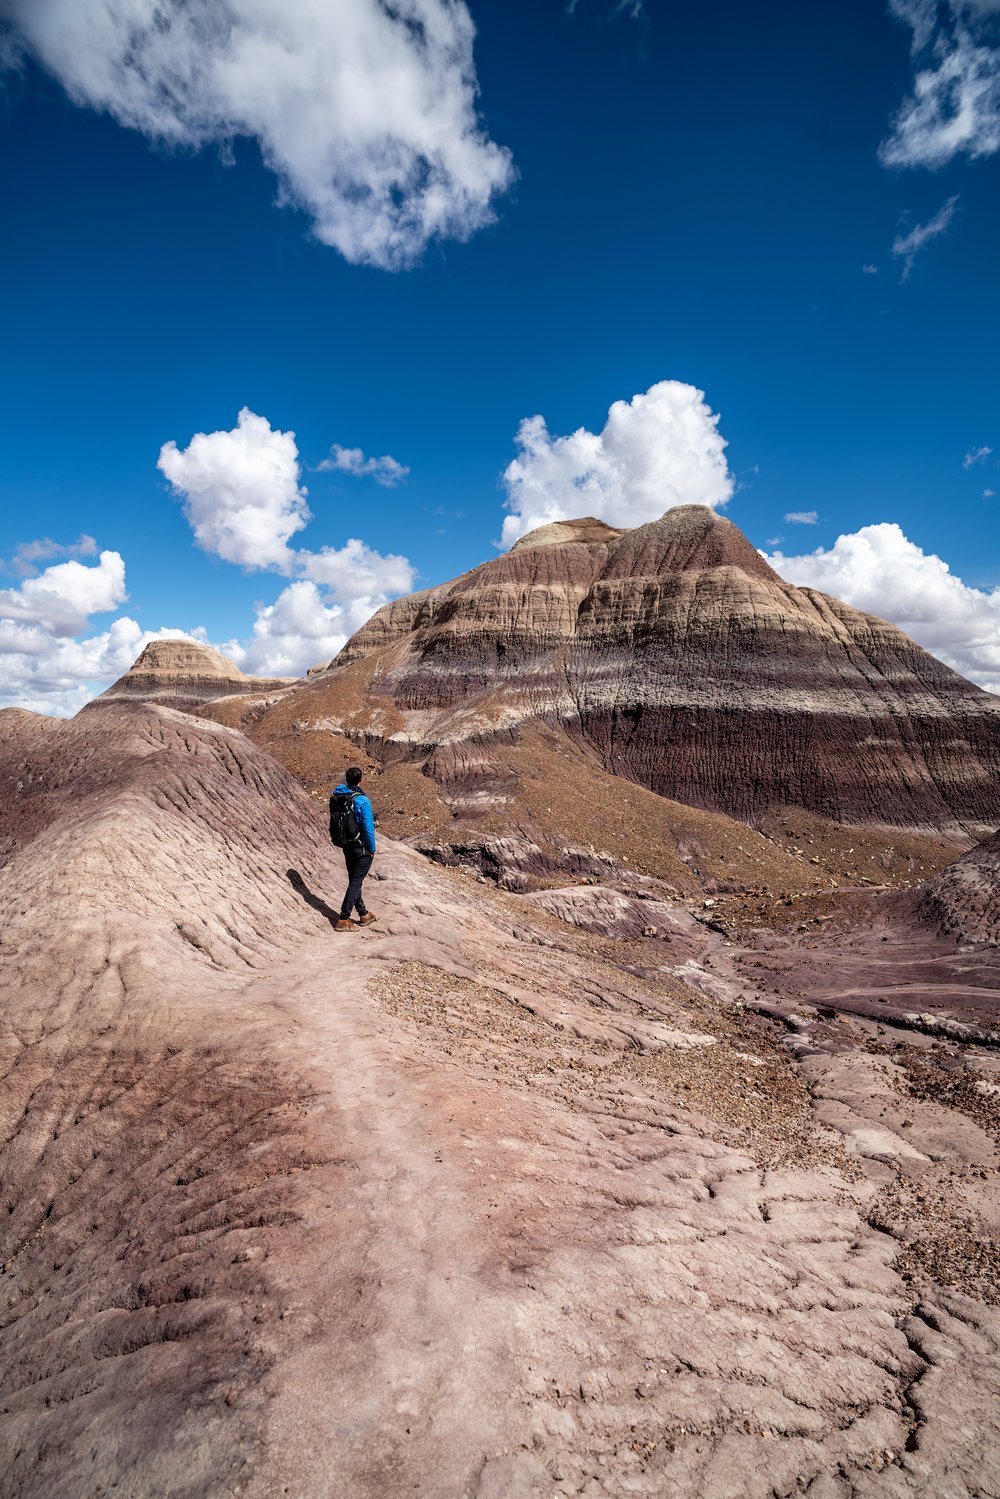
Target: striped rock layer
[
  {"x": 676, "y": 658},
  {"x": 183, "y": 672}
]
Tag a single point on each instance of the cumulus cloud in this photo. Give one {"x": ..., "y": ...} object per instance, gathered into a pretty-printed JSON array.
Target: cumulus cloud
[
  {"x": 241, "y": 491},
  {"x": 60, "y": 600},
  {"x": 385, "y": 470},
  {"x": 880, "y": 570},
  {"x": 341, "y": 588},
  {"x": 44, "y": 664},
  {"x": 365, "y": 112},
  {"x": 354, "y": 571},
  {"x": 803, "y": 517},
  {"x": 656, "y": 451},
  {"x": 870, "y": 270},
  {"x": 954, "y": 106},
  {"x": 907, "y": 246},
  {"x": 976, "y": 455},
  {"x": 58, "y": 676},
  {"x": 244, "y": 500},
  {"x": 295, "y": 632},
  {"x": 303, "y": 627}
]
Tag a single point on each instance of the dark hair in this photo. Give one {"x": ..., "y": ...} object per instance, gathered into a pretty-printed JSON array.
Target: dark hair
[{"x": 353, "y": 776}]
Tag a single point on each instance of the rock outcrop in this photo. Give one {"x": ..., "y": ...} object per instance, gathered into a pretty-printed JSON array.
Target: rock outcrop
[
  {"x": 674, "y": 657},
  {"x": 184, "y": 672},
  {"x": 964, "y": 899}
]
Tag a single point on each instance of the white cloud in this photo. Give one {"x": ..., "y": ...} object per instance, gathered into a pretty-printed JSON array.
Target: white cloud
[
  {"x": 907, "y": 246},
  {"x": 302, "y": 628},
  {"x": 241, "y": 491},
  {"x": 47, "y": 661},
  {"x": 975, "y": 455},
  {"x": 656, "y": 451},
  {"x": 365, "y": 111},
  {"x": 311, "y": 619},
  {"x": 244, "y": 500},
  {"x": 803, "y": 517},
  {"x": 870, "y": 270},
  {"x": 27, "y": 554},
  {"x": 60, "y": 600},
  {"x": 295, "y": 632},
  {"x": 878, "y": 569},
  {"x": 988, "y": 494},
  {"x": 57, "y": 675},
  {"x": 354, "y": 572},
  {"x": 954, "y": 106},
  {"x": 385, "y": 470}
]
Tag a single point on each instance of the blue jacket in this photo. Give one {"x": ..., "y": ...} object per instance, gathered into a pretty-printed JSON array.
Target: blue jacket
[{"x": 363, "y": 812}]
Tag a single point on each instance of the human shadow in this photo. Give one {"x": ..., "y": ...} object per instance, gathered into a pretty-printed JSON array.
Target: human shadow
[{"x": 299, "y": 885}]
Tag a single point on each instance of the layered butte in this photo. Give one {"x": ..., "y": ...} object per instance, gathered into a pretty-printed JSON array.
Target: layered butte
[
  {"x": 674, "y": 657},
  {"x": 181, "y": 672}
]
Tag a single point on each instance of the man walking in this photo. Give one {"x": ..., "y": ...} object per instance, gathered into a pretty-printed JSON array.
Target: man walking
[{"x": 352, "y": 828}]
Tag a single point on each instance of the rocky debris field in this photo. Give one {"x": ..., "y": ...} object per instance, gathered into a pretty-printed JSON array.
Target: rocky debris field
[{"x": 598, "y": 1188}]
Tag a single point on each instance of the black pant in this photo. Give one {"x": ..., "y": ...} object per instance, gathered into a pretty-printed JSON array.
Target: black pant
[{"x": 358, "y": 864}]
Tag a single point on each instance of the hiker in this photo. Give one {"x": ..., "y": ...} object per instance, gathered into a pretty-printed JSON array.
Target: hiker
[{"x": 352, "y": 828}]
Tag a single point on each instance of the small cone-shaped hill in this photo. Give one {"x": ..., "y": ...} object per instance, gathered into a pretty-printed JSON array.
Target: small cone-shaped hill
[
  {"x": 185, "y": 671},
  {"x": 674, "y": 657}
]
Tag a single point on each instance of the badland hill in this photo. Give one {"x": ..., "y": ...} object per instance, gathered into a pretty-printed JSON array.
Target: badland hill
[
  {"x": 658, "y": 695},
  {"x": 185, "y": 672}
]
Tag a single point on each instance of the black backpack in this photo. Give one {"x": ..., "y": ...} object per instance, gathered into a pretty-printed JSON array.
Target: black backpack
[{"x": 344, "y": 829}]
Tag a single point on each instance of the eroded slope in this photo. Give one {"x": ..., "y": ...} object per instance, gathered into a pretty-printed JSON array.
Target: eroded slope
[{"x": 478, "y": 1201}]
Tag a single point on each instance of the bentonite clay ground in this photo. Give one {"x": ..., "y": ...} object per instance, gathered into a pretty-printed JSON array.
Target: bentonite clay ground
[{"x": 502, "y": 1196}]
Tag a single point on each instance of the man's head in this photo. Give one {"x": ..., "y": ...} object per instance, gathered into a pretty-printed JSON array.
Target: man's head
[{"x": 353, "y": 776}]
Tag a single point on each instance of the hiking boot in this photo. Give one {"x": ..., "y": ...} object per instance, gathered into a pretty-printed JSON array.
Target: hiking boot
[
  {"x": 366, "y": 919},
  {"x": 344, "y": 926}
]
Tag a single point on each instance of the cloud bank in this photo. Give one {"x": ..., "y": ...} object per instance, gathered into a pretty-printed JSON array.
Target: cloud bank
[
  {"x": 43, "y": 665},
  {"x": 244, "y": 500},
  {"x": 880, "y": 570},
  {"x": 656, "y": 451},
  {"x": 365, "y": 112},
  {"x": 60, "y": 600},
  {"x": 954, "y": 106}
]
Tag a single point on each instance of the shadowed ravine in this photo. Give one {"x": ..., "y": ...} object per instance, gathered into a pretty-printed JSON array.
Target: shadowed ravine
[{"x": 495, "y": 1198}]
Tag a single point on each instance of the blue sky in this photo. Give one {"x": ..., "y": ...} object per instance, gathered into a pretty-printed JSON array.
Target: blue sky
[{"x": 689, "y": 195}]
